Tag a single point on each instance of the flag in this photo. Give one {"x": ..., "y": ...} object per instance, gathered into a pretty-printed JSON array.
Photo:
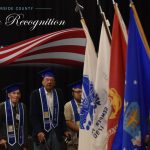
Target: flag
[
  {"x": 88, "y": 96},
  {"x": 137, "y": 95},
  {"x": 65, "y": 47},
  {"x": 117, "y": 77},
  {"x": 102, "y": 106}
]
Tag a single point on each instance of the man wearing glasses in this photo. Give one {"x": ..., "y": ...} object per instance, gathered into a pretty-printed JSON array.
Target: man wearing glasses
[{"x": 72, "y": 111}]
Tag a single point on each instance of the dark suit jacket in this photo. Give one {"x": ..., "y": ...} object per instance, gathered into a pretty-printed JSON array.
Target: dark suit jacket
[
  {"x": 3, "y": 129},
  {"x": 37, "y": 117}
]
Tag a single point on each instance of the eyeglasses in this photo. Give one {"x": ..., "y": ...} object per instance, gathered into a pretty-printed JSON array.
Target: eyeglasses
[{"x": 77, "y": 92}]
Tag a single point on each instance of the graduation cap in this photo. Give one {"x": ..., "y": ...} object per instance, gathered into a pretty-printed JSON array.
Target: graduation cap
[
  {"x": 47, "y": 73},
  {"x": 12, "y": 87},
  {"x": 76, "y": 85}
]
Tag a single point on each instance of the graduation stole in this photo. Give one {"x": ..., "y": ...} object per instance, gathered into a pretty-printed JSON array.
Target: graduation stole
[
  {"x": 75, "y": 110},
  {"x": 11, "y": 133},
  {"x": 49, "y": 120}
]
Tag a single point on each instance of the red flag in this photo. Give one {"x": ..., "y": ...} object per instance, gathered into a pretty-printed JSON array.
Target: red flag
[{"x": 117, "y": 74}]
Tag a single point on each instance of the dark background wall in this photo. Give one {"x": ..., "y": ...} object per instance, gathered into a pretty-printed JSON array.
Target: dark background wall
[
  {"x": 61, "y": 9},
  {"x": 64, "y": 9}
]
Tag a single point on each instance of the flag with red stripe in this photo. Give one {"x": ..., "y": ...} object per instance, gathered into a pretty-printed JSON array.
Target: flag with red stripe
[{"x": 65, "y": 47}]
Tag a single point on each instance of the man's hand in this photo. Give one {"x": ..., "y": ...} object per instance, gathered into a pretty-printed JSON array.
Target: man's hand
[
  {"x": 147, "y": 138},
  {"x": 67, "y": 134},
  {"x": 41, "y": 137},
  {"x": 3, "y": 143},
  {"x": 24, "y": 148}
]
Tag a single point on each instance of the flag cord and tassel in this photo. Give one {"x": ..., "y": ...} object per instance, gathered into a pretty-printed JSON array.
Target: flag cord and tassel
[{"x": 106, "y": 22}]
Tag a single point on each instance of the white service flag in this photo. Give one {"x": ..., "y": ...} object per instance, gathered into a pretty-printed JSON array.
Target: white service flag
[
  {"x": 102, "y": 105},
  {"x": 87, "y": 105}
]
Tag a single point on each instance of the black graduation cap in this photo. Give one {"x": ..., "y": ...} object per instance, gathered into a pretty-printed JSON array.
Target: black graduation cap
[
  {"x": 47, "y": 73},
  {"x": 12, "y": 87},
  {"x": 76, "y": 85}
]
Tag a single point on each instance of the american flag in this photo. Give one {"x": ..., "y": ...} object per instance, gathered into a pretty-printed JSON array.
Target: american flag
[{"x": 65, "y": 47}]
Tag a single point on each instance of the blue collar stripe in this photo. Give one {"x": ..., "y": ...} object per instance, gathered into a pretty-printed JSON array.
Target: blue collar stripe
[
  {"x": 75, "y": 110},
  {"x": 45, "y": 110},
  {"x": 11, "y": 136},
  {"x": 55, "y": 109},
  {"x": 21, "y": 125},
  {"x": 49, "y": 120}
]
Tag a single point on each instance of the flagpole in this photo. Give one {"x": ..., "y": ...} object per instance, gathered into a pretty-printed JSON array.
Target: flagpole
[
  {"x": 78, "y": 9},
  {"x": 105, "y": 21},
  {"x": 113, "y": 2},
  {"x": 141, "y": 31},
  {"x": 89, "y": 70}
]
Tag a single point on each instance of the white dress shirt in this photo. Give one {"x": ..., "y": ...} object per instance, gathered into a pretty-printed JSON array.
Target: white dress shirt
[{"x": 49, "y": 97}]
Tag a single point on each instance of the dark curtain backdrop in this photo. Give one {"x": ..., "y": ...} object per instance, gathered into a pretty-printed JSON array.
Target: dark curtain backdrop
[{"x": 61, "y": 9}]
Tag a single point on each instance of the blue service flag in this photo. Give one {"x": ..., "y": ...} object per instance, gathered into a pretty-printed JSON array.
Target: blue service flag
[{"x": 137, "y": 90}]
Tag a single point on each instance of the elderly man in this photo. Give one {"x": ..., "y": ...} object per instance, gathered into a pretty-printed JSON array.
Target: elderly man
[
  {"x": 13, "y": 121},
  {"x": 47, "y": 114},
  {"x": 72, "y": 111}
]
